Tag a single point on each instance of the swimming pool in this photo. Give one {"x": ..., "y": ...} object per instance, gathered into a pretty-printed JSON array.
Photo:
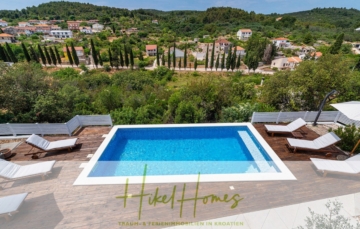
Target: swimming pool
[{"x": 178, "y": 153}]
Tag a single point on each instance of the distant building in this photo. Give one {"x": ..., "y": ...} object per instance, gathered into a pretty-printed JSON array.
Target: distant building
[
  {"x": 286, "y": 62},
  {"x": 178, "y": 53},
  {"x": 223, "y": 44},
  {"x": 244, "y": 34},
  {"x": 91, "y": 22},
  {"x": 155, "y": 22},
  {"x": 73, "y": 25},
  {"x": 151, "y": 50},
  {"x": 10, "y": 30},
  {"x": 316, "y": 55},
  {"x": 3, "y": 23},
  {"x": 132, "y": 30},
  {"x": 281, "y": 42},
  {"x": 239, "y": 51},
  {"x": 4, "y": 37},
  {"x": 43, "y": 28},
  {"x": 278, "y": 19},
  {"x": 206, "y": 36},
  {"x": 33, "y": 22},
  {"x": 79, "y": 52},
  {"x": 86, "y": 29},
  {"x": 55, "y": 27},
  {"x": 24, "y": 24},
  {"x": 28, "y": 30},
  {"x": 357, "y": 30},
  {"x": 97, "y": 27},
  {"x": 61, "y": 34}
]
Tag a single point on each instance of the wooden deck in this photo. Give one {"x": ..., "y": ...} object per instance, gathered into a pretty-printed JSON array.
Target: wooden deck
[{"x": 56, "y": 203}]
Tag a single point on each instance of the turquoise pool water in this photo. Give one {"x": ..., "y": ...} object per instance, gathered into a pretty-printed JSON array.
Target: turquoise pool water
[{"x": 183, "y": 151}]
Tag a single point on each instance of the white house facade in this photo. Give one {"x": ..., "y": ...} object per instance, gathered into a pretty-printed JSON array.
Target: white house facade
[
  {"x": 281, "y": 42},
  {"x": 7, "y": 38},
  {"x": 3, "y": 23},
  {"x": 86, "y": 29},
  {"x": 61, "y": 34},
  {"x": 244, "y": 34},
  {"x": 151, "y": 50},
  {"x": 97, "y": 27}
]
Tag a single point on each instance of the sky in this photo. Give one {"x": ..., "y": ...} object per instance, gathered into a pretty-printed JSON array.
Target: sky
[{"x": 259, "y": 6}]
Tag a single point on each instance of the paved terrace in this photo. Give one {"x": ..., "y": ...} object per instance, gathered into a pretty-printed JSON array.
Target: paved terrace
[{"x": 56, "y": 203}]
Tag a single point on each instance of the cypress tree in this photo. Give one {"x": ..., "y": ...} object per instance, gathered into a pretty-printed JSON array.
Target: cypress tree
[
  {"x": 11, "y": 53},
  {"x": 207, "y": 57},
  {"x": 195, "y": 64},
  {"x": 335, "y": 48},
  {"x": 69, "y": 55},
  {"x": 126, "y": 57},
  {"x": 180, "y": 63},
  {"x": 228, "y": 59},
  {"x": 131, "y": 58},
  {"x": 100, "y": 60},
  {"x": 169, "y": 58},
  {"x": 233, "y": 61},
  {"x": 163, "y": 59},
  {"x": 74, "y": 55},
  {"x": 52, "y": 55},
  {"x": 47, "y": 55},
  {"x": 110, "y": 58},
  {"x": 174, "y": 56},
  {"x": 115, "y": 58},
  {"x": 222, "y": 66},
  {"x": 42, "y": 56},
  {"x": 212, "y": 56},
  {"x": 157, "y": 57},
  {"x": 2, "y": 54},
  {"x": 217, "y": 62},
  {"x": 113, "y": 28},
  {"x": 26, "y": 53},
  {"x": 57, "y": 55},
  {"x": 7, "y": 55},
  {"x": 121, "y": 58},
  {"x": 238, "y": 62},
  {"x": 93, "y": 53},
  {"x": 185, "y": 56}
]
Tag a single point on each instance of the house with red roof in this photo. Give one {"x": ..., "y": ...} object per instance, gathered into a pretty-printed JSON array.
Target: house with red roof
[
  {"x": 281, "y": 42},
  {"x": 286, "y": 62},
  {"x": 239, "y": 51},
  {"x": 151, "y": 50},
  {"x": 7, "y": 38},
  {"x": 223, "y": 44},
  {"x": 3, "y": 23},
  {"x": 244, "y": 34}
]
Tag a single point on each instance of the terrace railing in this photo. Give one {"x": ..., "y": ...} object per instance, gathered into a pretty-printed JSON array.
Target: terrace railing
[
  {"x": 55, "y": 128},
  {"x": 308, "y": 116}
]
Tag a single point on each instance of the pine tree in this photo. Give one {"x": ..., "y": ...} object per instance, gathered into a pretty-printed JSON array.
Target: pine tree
[
  {"x": 212, "y": 56},
  {"x": 207, "y": 57},
  {"x": 110, "y": 58},
  {"x": 47, "y": 55},
  {"x": 121, "y": 58},
  {"x": 11, "y": 53},
  {"x": 131, "y": 58},
  {"x": 2, "y": 54},
  {"x": 238, "y": 62},
  {"x": 228, "y": 59},
  {"x": 52, "y": 55},
  {"x": 169, "y": 58},
  {"x": 185, "y": 56},
  {"x": 195, "y": 64},
  {"x": 57, "y": 55},
  {"x": 26, "y": 53},
  {"x": 74, "y": 55},
  {"x": 93, "y": 53},
  {"x": 174, "y": 56},
  {"x": 42, "y": 56},
  {"x": 100, "y": 60},
  {"x": 126, "y": 57},
  {"x": 335, "y": 48},
  {"x": 69, "y": 55},
  {"x": 222, "y": 66},
  {"x": 157, "y": 57},
  {"x": 180, "y": 63},
  {"x": 217, "y": 62}
]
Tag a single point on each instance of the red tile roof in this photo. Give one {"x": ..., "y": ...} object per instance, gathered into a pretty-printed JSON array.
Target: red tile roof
[
  {"x": 281, "y": 39},
  {"x": 5, "y": 35},
  {"x": 76, "y": 48},
  {"x": 245, "y": 30},
  {"x": 222, "y": 41},
  {"x": 151, "y": 47}
]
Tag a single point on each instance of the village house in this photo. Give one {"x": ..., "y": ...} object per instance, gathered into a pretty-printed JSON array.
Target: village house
[
  {"x": 43, "y": 28},
  {"x": 7, "y": 38},
  {"x": 10, "y": 30},
  {"x": 86, "y": 29},
  {"x": 244, "y": 34},
  {"x": 132, "y": 30},
  {"x": 239, "y": 51},
  {"x": 155, "y": 22},
  {"x": 3, "y": 23},
  {"x": 44, "y": 22},
  {"x": 315, "y": 55},
  {"x": 33, "y": 22},
  {"x": 28, "y": 30},
  {"x": 223, "y": 45},
  {"x": 357, "y": 30},
  {"x": 286, "y": 63},
  {"x": 79, "y": 52},
  {"x": 55, "y": 27},
  {"x": 91, "y": 22},
  {"x": 278, "y": 19},
  {"x": 151, "y": 50},
  {"x": 24, "y": 24},
  {"x": 281, "y": 42},
  {"x": 61, "y": 34},
  {"x": 97, "y": 27},
  {"x": 73, "y": 25},
  {"x": 178, "y": 53}
]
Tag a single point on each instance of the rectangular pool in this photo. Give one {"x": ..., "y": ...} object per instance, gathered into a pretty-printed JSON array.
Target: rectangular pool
[{"x": 178, "y": 153}]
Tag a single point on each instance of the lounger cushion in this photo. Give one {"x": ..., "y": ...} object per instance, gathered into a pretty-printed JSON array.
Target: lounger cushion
[
  {"x": 62, "y": 144},
  {"x": 10, "y": 170},
  {"x": 331, "y": 165},
  {"x": 319, "y": 143},
  {"x": 38, "y": 141},
  {"x": 294, "y": 125},
  {"x": 11, "y": 203},
  {"x": 302, "y": 143},
  {"x": 273, "y": 128}
]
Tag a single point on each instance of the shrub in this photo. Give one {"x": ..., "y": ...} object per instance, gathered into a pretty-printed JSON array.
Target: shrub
[
  {"x": 83, "y": 67},
  {"x": 349, "y": 135},
  {"x": 107, "y": 67}
]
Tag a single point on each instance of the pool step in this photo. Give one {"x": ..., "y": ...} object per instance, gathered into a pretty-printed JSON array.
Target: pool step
[{"x": 259, "y": 159}]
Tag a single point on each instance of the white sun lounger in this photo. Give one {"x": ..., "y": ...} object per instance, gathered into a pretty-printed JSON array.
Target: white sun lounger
[
  {"x": 46, "y": 146},
  {"x": 294, "y": 125},
  {"x": 350, "y": 165},
  {"x": 10, "y": 204},
  {"x": 318, "y": 144},
  {"x": 12, "y": 171}
]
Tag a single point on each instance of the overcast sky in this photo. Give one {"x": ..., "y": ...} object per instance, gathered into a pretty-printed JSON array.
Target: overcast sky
[{"x": 259, "y": 6}]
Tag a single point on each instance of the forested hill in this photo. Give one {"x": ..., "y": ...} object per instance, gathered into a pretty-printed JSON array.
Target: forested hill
[{"x": 330, "y": 17}]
